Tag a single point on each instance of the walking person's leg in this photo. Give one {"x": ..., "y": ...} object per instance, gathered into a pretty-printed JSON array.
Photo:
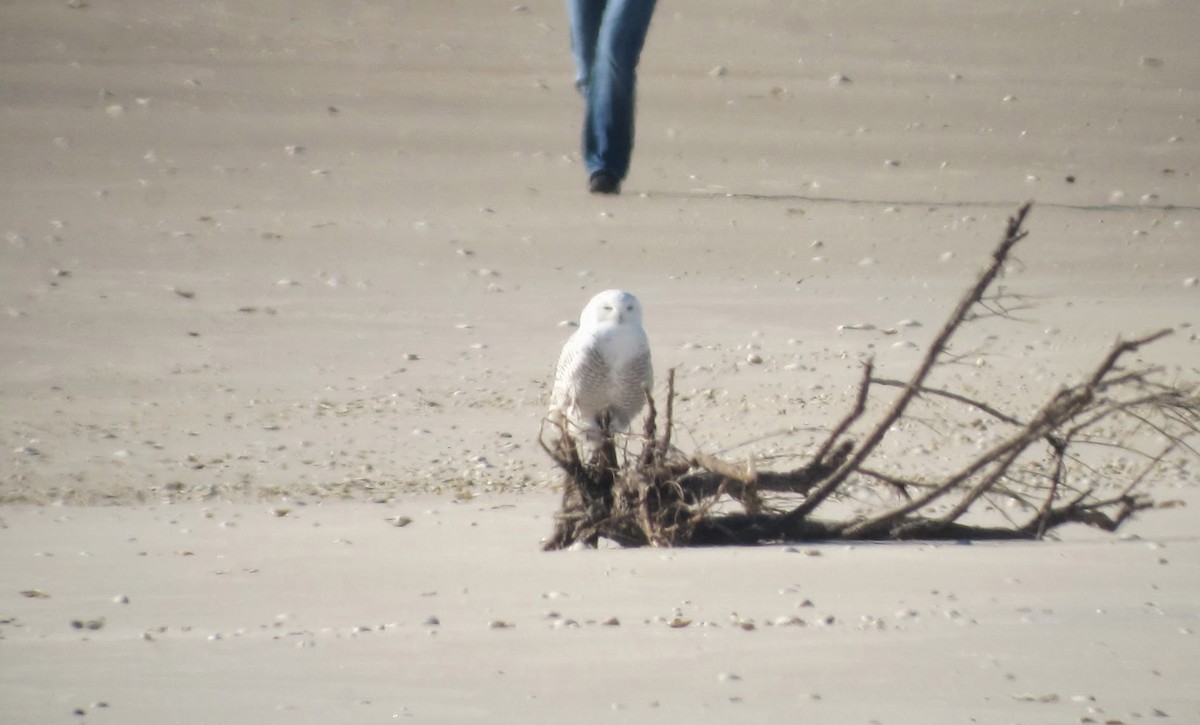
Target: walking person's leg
[
  {"x": 584, "y": 17},
  {"x": 611, "y": 92}
]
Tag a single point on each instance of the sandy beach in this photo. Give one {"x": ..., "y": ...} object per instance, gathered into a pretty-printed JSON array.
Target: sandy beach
[{"x": 279, "y": 277}]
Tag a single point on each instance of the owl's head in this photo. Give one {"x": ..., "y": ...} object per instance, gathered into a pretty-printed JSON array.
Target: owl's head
[{"x": 611, "y": 307}]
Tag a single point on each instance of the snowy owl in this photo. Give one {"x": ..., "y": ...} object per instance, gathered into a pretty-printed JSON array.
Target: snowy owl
[{"x": 604, "y": 368}]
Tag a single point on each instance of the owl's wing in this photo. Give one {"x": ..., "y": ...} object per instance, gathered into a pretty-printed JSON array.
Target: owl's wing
[
  {"x": 645, "y": 369},
  {"x": 636, "y": 378},
  {"x": 580, "y": 365}
]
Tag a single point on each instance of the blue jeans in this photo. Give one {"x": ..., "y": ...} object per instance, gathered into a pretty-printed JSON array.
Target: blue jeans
[{"x": 606, "y": 40}]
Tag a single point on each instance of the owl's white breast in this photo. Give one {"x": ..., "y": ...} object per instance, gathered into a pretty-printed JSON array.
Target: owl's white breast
[{"x": 619, "y": 344}]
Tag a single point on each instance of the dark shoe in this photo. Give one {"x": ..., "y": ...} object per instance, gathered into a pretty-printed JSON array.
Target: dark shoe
[{"x": 603, "y": 182}]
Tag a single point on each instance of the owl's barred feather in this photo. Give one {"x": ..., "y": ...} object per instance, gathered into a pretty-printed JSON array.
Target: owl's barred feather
[{"x": 604, "y": 368}]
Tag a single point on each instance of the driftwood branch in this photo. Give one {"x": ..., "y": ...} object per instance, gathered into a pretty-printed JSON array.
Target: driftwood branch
[{"x": 663, "y": 497}]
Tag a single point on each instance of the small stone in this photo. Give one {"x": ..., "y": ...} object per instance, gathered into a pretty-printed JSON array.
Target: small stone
[
  {"x": 500, "y": 624},
  {"x": 868, "y": 621},
  {"x": 754, "y": 359}
]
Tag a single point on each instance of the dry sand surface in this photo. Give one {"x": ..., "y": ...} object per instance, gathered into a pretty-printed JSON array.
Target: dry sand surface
[{"x": 277, "y": 277}]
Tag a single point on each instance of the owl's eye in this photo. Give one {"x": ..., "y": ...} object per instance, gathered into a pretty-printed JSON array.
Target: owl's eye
[
  {"x": 629, "y": 308},
  {"x": 608, "y": 308}
]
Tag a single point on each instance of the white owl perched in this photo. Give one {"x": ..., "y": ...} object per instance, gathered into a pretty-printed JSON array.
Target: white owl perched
[{"x": 604, "y": 368}]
